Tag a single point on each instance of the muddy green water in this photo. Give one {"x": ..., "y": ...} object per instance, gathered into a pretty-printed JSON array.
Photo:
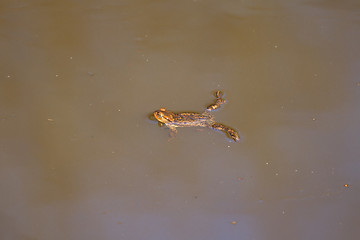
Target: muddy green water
[{"x": 79, "y": 158}]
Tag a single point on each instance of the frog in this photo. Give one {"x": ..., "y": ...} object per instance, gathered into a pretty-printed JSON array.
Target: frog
[{"x": 174, "y": 120}]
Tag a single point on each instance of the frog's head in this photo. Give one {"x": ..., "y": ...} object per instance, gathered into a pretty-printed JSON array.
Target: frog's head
[{"x": 164, "y": 116}]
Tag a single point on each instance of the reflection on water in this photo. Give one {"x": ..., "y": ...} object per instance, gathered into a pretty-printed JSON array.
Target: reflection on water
[{"x": 80, "y": 158}]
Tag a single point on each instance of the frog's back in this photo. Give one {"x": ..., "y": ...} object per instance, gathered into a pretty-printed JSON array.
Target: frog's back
[{"x": 189, "y": 119}]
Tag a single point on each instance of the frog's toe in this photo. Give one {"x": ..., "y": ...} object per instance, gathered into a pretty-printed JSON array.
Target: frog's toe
[{"x": 235, "y": 136}]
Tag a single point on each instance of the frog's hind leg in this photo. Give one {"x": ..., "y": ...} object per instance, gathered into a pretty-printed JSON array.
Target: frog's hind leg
[
  {"x": 231, "y": 133},
  {"x": 218, "y": 102}
]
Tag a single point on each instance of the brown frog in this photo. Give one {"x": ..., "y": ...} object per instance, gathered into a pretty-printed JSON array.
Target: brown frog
[{"x": 191, "y": 119}]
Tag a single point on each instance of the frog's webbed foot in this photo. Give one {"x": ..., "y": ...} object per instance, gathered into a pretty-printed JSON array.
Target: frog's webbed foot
[
  {"x": 218, "y": 102},
  {"x": 231, "y": 133}
]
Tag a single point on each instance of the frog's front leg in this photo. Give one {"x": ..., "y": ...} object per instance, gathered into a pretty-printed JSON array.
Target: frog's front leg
[
  {"x": 233, "y": 134},
  {"x": 172, "y": 133}
]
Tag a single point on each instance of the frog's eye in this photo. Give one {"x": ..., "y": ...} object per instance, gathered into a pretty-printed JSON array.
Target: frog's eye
[
  {"x": 167, "y": 118},
  {"x": 162, "y": 109}
]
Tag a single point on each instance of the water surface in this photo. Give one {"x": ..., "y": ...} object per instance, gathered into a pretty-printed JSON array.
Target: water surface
[{"x": 81, "y": 160}]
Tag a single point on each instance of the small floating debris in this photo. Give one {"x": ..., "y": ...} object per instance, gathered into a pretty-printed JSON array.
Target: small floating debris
[{"x": 240, "y": 178}]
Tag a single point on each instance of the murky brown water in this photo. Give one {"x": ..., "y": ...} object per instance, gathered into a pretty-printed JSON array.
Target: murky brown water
[{"x": 80, "y": 159}]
